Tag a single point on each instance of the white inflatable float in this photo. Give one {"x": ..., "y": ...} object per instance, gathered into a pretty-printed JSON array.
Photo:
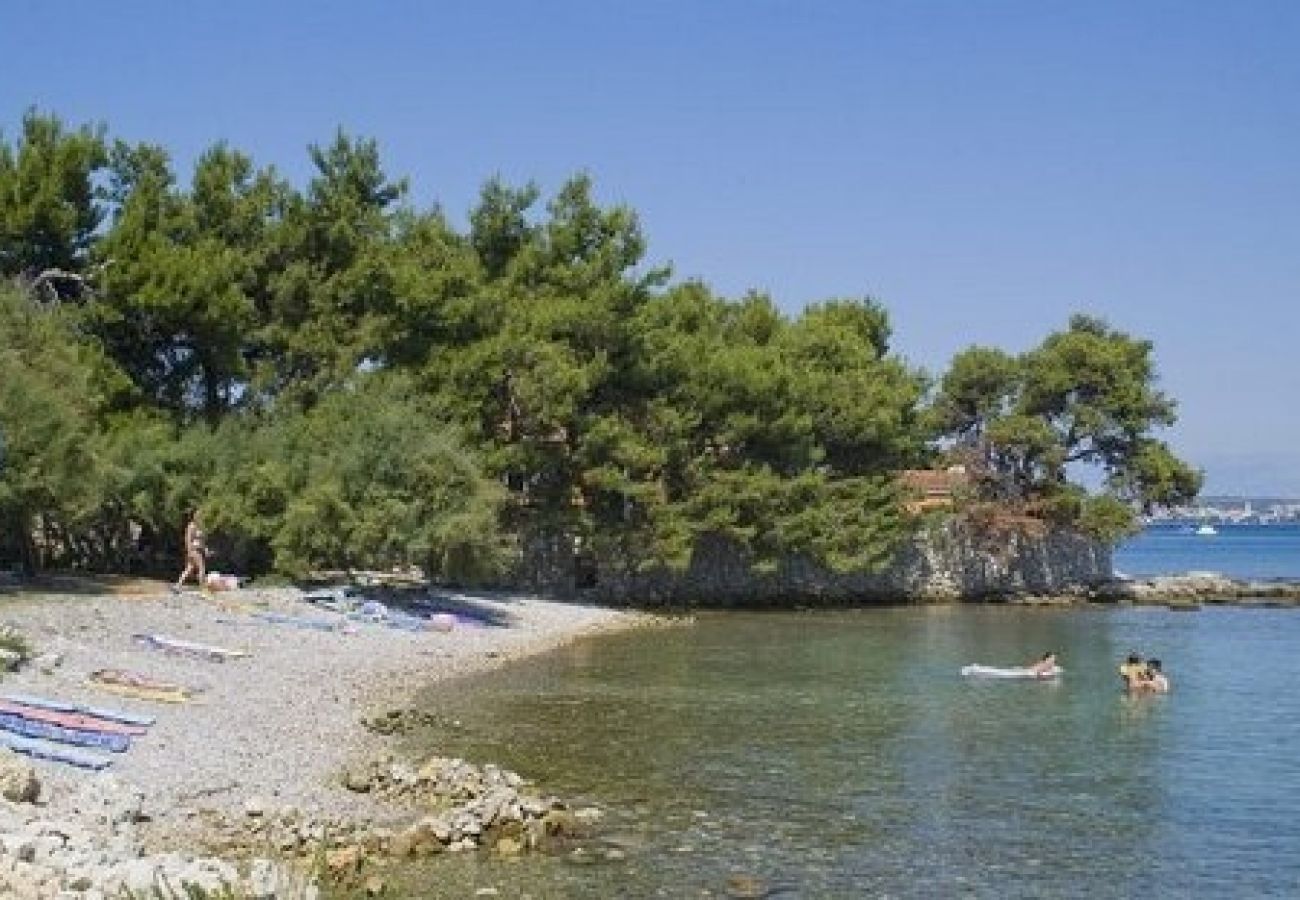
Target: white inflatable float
[{"x": 1022, "y": 672}]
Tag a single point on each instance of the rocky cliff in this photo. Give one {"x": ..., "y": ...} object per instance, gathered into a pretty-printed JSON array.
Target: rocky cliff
[{"x": 943, "y": 562}]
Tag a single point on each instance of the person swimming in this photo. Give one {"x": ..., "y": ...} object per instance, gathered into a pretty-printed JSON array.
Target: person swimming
[
  {"x": 1132, "y": 670},
  {"x": 1154, "y": 681}
]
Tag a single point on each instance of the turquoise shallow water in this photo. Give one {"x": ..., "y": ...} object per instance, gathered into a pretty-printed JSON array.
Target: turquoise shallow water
[
  {"x": 1239, "y": 551},
  {"x": 842, "y": 755}
]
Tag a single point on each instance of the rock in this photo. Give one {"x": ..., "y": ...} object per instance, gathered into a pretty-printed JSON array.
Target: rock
[
  {"x": 48, "y": 662},
  {"x": 263, "y": 881},
  {"x": 430, "y": 770},
  {"x": 746, "y": 887},
  {"x": 9, "y": 659},
  {"x": 375, "y": 886},
  {"x": 138, "y": 876},
  {"x": 357, "y": 780},
  {"x": 254, "y": 807},
  {"x": 559, "y": 823},
  {"x": 508, "y": 846},
  {"x": 80, "y": 883},
  {"x": 403, "y": 844},
  {"x": 21, "y": 847},
  {"x": 343, "y": 861},
  {"x": 402, "y": 775},
  {"x": 46, "y": 846},
  {"x": 18, "y": 782},
  {"x": 206, "y": 877},
  {"x": 438, "y": 827},
  {"x": 589, "y": 816},
  {"x": 109, "y": 802}
]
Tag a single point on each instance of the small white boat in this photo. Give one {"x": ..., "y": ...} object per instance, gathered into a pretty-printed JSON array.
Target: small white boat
[{"x": 1207, "y": 529}]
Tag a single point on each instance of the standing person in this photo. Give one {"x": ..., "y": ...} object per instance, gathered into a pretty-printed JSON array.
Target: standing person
[{"x": 196, "y": 551}]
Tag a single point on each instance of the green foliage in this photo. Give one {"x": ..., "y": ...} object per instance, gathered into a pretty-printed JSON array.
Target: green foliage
[
  {"x": 52, "y": 390},
  {"x": 48, "y": 213},
  {"x": 15, "y": 643},
  {"x": 1107, "y": 518},
  {"x": 183, "y": 275},
  {"x": 366, "y": 479},
  {"x": 340, "y": 379},
  {"x": 978, "y": 387},
  {"x": 1085, "y": 397}
]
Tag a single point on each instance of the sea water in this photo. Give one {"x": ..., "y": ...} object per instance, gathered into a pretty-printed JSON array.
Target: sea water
[
  {"x": 1238, "y": 551},
  {"x": 841, "y": 754}
]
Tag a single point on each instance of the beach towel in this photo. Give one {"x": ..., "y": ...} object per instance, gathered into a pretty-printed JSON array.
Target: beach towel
[
  {"x": 379, "y": 614},
  {"x": 48, "y": 750},
  {"x": 189, "y": 648},
  {"x": 101, "y": 712},
  {"x": 121, "y": 678},
  {"x": 144, "y": 693},
  {"x": 71, "y": 720},
  {"x": 116, "y": 743},
  {"x": 304, "y": 622}
]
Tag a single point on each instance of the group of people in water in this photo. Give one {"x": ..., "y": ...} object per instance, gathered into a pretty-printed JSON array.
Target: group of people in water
[
  {"x": 1140, "y": 676},
  {"x": 1143, "y": 677}
]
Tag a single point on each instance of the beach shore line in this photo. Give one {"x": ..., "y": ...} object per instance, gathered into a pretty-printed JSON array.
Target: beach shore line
[
  {"x": 265, "y": 751},
  {"x": 1206, "y": 587}
]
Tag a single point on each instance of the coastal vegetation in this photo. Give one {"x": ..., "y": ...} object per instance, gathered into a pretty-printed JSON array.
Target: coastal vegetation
[{"x": 341, "y": 378}]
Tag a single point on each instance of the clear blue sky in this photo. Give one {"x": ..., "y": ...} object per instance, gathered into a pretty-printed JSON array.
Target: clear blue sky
[{"x": 983, "y": 168}]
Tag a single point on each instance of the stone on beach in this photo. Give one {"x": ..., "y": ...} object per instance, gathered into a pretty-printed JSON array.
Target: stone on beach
[
  {"x": 272, "y": 733},
  {"x": 18, "y": 781}
]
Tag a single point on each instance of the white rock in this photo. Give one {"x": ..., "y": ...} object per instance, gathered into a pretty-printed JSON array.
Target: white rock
[
  {"x": 48, "y": 662},
  {"x": 138, "y": 875},
  {"x": 18, "y": 782},
  {"x": 211, "y": 876},
  {"x": 263, "y": 880},
  {"x": 46, "y": 846}
]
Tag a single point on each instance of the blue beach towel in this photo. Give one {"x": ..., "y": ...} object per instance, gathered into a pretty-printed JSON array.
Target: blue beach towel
[
  {"x": 115, "y": 743},
  {"x": 39, "y": 749},
  {"x": 299, "y": 621}
]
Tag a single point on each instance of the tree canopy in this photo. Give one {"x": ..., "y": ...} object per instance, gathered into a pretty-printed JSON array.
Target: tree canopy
[
  {"x": 1085, "y": 397},
  {"x": 343, "y": 379}
]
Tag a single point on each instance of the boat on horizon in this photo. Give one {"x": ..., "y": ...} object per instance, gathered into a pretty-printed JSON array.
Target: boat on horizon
[{"x": 1206, "y": 528}]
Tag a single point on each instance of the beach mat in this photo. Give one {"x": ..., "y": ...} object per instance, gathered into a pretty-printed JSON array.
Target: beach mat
[
  {"x": 114, "y": 743},
  {"x": 153, "y": 695},
  {"x": 48, "y": 750},
  {"x": 141, "y": 687},
  {"x": 340, "y": 627},
  {"x": 189, "y": 648},
  {"x": 101, "y": 712},
  {"x": 71, "y": 720}
]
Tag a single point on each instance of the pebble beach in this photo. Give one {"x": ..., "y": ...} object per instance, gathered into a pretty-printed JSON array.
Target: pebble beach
[{"x": 268, "y": 734}]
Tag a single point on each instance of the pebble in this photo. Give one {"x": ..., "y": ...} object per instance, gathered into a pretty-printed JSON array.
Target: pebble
[{"x": 213, "y": 787}]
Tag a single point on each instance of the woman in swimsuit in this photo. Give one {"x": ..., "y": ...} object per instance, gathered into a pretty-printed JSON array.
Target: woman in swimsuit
[{"x": 196, "y": 551}]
